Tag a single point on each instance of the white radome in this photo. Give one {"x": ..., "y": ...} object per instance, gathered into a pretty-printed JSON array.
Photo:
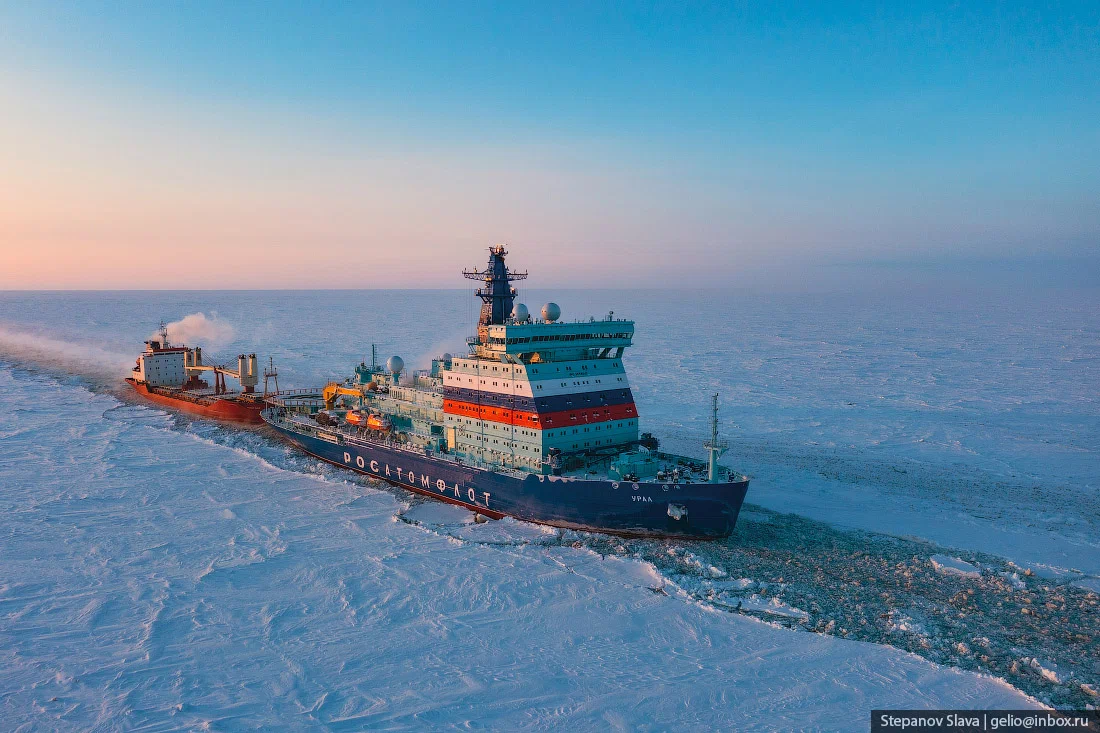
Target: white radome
[
  {"x": 395, "y": 364},
  {"x": 551, "y": 312},
  {"x": 519, "y": 312}
]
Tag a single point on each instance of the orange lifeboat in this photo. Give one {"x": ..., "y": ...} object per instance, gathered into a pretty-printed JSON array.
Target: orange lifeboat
[
  {"x": 356, "y": 417},
  {"x": 378, "y": 422}
]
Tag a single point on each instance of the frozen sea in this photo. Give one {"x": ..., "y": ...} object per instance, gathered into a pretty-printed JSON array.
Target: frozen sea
[{"x": 923, "y": 527}]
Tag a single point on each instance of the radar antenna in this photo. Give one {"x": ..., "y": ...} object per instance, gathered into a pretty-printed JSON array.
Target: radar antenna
[
  {"x": 498, "y": 294},
  {"x": 714, "y": 446}
]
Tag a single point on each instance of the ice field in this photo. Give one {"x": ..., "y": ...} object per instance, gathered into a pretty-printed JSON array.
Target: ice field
[{"x": 923, "y": 528}]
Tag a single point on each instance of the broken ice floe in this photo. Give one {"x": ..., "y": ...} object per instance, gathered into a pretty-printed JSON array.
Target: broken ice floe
[{"x": 954, "y": 566}]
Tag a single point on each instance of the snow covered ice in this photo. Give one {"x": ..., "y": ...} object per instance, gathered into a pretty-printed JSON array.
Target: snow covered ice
[
  {"x": 154, "y": 579},
  {"x": 167, "y": 573}
]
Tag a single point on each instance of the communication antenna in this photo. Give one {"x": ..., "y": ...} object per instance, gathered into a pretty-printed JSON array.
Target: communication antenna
[
  {"x": 497, "y": 295},
  {"x": 714, "y": 446}
]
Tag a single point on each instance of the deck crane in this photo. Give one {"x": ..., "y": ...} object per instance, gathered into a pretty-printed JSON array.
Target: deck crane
[
  {"x": 335, "y": 389},
  {"x": 245, "y": 373}
]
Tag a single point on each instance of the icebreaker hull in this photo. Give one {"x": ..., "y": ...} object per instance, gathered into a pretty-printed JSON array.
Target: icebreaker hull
[{"x": 685, "y": 510}]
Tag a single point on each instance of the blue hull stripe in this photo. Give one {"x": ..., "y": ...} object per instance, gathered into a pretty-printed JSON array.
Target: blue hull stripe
[
  {"x": 553, "y": 403},
  {"x": 603, "y": 506}
]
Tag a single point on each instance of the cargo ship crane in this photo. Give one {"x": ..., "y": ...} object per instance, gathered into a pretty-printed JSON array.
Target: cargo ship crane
[{"x": 245, "y": 373}]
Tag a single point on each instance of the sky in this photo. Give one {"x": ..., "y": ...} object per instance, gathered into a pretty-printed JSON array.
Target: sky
[{"x": 379, "y": 145}]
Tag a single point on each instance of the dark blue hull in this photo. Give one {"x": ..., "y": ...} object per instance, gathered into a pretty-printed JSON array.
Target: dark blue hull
[{"x": 704, "y": 510}]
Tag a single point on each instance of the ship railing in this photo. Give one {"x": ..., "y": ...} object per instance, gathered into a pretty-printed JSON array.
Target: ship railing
[
  {"x": 292, "y": 397},
  {"x": 297, "y": 392}
]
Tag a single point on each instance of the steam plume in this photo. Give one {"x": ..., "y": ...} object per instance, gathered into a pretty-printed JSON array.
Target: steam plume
[{"x": 198, "y": 330}]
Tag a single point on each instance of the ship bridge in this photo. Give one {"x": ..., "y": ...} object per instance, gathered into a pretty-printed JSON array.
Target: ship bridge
[{"x": 533, "y": 342}]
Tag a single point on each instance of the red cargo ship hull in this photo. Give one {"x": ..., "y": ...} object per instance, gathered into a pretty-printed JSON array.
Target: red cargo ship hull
[{"x": 235, "y": 408}]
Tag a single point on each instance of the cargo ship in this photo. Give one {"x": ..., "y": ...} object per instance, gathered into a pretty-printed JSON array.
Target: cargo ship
[
  {"x": 536, "y": 422},
  {"x": 171, "y": 375}
]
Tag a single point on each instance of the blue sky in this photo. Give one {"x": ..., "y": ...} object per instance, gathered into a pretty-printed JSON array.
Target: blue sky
[{"x": 739, "y": 137}]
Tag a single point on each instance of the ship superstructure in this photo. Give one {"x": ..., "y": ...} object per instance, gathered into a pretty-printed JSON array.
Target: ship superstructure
[
  {"x": 537, "y": 421},
  {"x": 535, "y": 391}
]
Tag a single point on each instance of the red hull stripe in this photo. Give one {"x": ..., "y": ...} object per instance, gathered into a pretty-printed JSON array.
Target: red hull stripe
[{"x": 547, "y": 420}]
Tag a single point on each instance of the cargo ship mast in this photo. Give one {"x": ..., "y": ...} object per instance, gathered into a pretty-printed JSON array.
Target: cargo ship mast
[{"x": 271, "y": 374}]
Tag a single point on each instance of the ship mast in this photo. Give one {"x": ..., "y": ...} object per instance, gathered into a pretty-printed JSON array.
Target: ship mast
[
  {"x": 715, "y": 447},
  {"x": 271, "y": 373},
  {"x": 498, "y": 294}
]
